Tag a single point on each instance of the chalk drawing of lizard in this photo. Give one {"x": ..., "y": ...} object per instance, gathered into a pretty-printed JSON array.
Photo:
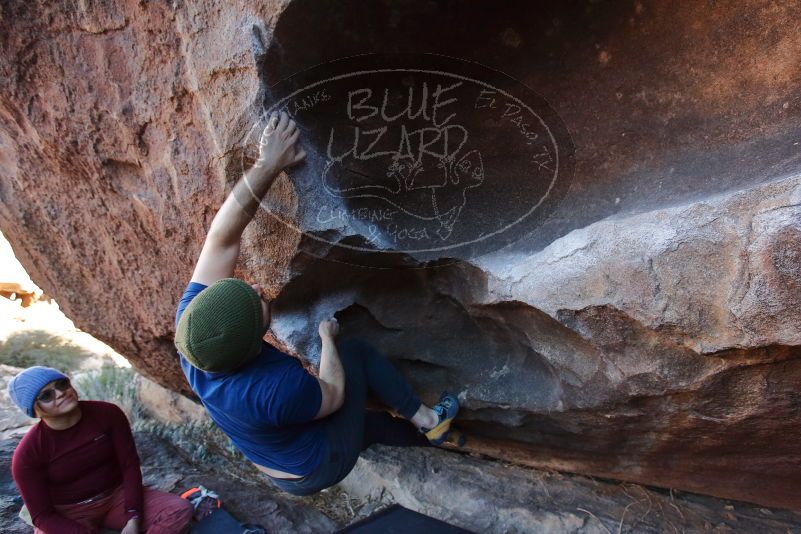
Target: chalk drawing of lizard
[{"x": 430, "y": 188}]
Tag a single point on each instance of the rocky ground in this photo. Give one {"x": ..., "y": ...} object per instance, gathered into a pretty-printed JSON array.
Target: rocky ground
[
  {"x": 164, "y": 467},
  {"x": 479, "y": 494},
  {"x": 170, "y": 468}
]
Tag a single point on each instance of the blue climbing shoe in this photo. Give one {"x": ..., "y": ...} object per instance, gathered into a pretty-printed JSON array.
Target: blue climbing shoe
[{"x": 446, "y": 409}]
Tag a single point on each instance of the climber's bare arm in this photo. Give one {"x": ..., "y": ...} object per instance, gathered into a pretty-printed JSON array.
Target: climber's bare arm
[
  {"x": 332, "y": 374},
  {"x": 277, "y": 150}
]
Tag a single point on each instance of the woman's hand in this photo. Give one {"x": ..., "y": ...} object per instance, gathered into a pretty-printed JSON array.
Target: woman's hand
[
  {"x": 131, "y": 527},
  {"x": 277, "y": 144},
  {"x": 329, "y": 328}
]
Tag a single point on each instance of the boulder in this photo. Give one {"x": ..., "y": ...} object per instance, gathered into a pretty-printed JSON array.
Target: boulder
[
  {"x": 494, "y": 497},
  {"x": 639, "y": 322}
]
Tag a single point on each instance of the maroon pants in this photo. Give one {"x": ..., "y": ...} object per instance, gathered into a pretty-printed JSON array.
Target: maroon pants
[{"x": 164, "y": 513}]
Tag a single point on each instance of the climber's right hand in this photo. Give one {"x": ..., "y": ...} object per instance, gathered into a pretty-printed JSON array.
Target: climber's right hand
[
  {"x": 329, "y": 328},
  {"x": 278, "y": 147}
]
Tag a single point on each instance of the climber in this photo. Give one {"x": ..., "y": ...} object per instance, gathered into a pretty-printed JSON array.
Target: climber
[{"x": 305, "y": 432}]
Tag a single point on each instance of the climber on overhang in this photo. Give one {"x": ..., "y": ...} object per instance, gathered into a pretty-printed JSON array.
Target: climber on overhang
[{"x": 305, "y": 432}]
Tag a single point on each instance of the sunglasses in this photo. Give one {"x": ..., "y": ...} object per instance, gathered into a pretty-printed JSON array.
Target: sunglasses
[{"x": 47, "y": 395}]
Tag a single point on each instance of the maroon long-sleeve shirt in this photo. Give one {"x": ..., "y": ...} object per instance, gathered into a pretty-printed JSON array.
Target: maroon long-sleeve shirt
[{"x": 69, "y": 466}]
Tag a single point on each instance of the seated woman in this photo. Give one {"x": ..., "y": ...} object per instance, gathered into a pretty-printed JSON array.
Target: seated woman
[{"x": 77, "y": 469}]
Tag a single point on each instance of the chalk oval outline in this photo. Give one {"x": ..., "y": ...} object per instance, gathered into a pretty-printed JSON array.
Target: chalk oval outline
[{"x": 558, "y": 158}]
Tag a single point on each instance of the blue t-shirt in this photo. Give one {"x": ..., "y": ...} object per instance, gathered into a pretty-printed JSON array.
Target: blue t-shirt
[{"x": 267, "y": 407}]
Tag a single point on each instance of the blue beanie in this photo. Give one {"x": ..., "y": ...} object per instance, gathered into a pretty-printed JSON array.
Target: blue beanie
[{"x": 25, "y": 387}]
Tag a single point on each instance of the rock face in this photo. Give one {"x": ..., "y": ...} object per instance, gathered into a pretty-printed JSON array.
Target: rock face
[
  {"x": 498, "y": 498},
  {"x": 643, "y": 327}
]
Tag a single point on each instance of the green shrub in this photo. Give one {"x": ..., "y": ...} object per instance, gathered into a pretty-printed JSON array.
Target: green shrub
[
  {"x": 112, "y": 384},
  {"x": 25, "y": 348}
]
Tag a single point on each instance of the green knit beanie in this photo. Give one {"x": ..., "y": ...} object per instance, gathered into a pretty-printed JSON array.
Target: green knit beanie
[{"x": 222, "y": 327}]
